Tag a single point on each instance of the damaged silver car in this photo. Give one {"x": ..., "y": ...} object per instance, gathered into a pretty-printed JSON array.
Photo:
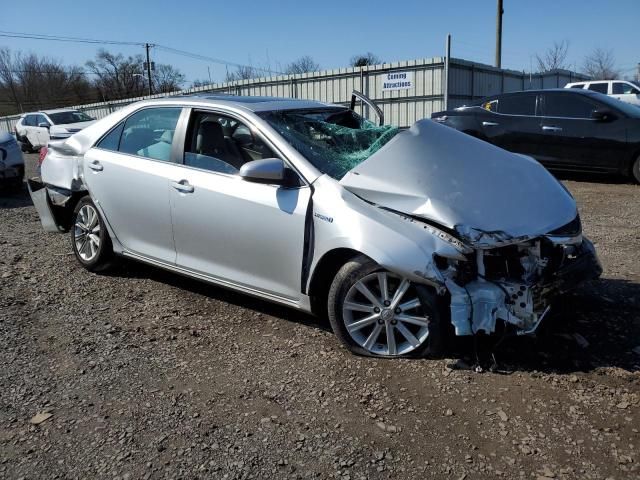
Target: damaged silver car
[{"x": 398, "y": 236}]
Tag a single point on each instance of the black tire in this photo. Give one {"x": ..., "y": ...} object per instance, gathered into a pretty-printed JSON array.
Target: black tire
[
  {"x": 635, "y": 170},
  {"x": 103, "y": 256},
  {"x": 357, "y": 269}
]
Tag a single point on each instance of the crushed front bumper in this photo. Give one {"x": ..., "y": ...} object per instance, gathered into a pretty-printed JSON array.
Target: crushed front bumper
[{"x": 583, "y": 267}]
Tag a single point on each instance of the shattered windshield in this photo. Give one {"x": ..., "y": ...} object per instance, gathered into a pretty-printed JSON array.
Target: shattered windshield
[{"x": 333, "y": 140}]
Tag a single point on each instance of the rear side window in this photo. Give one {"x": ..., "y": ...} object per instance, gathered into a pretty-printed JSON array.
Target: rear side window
[
  {"x": 599, "y": 87},
  {"x": 567, "y": 106},
  {"x": 517, "y": 104},
  {"x": 111, "y": 141},
  {"x": 580, "y": 86},
  {"x": 149, "y": 133}
]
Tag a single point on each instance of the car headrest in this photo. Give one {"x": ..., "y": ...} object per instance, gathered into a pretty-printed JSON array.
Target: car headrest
[{"x": 210, "y": 138}]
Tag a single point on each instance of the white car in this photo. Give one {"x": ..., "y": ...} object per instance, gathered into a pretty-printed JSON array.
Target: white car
[
  {"x": 624, "y": 90},
  {"x": 35, "y": 129},
  {"x": 11, "y": 161}
]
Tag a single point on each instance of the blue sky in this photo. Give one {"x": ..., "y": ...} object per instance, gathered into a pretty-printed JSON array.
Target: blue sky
[{"x": 273, "y": 33}]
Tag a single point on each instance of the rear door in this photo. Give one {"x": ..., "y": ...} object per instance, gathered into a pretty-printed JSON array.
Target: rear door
[
  {"x": 573, "y": 139},
  {"x": 509, "y": 121},
  {"x": 236, "y": 231},
  {"x": 128, "y": 173}
]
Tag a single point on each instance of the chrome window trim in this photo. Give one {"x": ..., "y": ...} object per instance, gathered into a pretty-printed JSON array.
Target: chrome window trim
[{"x": 124, "y": 121}]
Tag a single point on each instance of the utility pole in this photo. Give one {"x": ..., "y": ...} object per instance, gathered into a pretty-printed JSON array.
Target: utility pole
[
  {"x": 147, "y": 47},
  {"x": 499, "y": 34},
  {"x": 447, "y": 60}
]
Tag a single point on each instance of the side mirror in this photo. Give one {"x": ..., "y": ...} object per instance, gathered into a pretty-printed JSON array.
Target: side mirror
[
  {"x": 602, "y": 115},
  {"x": 43, "y": 125},
  {"x": 267, "y": 170}
]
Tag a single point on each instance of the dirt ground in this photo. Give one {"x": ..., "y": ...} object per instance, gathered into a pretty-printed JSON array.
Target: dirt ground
[{"x": 143, "y": 374}]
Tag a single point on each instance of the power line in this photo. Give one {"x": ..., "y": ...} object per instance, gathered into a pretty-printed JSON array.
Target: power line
[
  {"x": 59, "y": 38},
  {"x": 205, "y": 58},
  {"x": 196, "y": 56}
]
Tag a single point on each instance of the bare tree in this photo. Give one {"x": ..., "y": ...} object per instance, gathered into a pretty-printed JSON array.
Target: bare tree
[
  {"x": 554, "y": 57},
  {"x": 601, "y": 65},
  {"x": 362, "y": 60},
  {"x": 166, "y": 78},
  {"x": 302, "y": 65},
  {"x": 243, "y": 72},
  {"x": 31, "y": 82}
]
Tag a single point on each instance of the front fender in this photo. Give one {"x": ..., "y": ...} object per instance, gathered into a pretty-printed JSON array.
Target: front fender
[{"x": 397, "y": 243}]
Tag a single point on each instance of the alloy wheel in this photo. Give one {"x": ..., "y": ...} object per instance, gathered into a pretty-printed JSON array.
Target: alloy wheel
[
  {"x": 383, "y": 314},
  {"x": 86, "y": 233}
]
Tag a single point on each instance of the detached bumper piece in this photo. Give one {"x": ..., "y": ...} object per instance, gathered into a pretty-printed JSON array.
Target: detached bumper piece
[{"x": 42, "y": 202}]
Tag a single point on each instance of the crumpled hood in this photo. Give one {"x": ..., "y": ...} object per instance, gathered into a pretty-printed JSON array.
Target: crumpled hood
[{"x": 486, "y": 194}]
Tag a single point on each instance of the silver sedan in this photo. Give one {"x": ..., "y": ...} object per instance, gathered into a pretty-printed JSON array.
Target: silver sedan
[{"x": 401, "y": 238}]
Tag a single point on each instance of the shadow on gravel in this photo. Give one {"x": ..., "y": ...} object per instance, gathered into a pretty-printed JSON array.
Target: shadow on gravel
[
  {"x": 607, "y": 178},
  {"x": 597, "y": 326},
  {"x": 12, "y": 197},
  {"x": 131, "y": 269}
]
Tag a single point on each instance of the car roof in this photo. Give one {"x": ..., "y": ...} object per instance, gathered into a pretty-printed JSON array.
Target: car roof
[
  {"x": 548, "y": 90},
  {"x": 257, "y": 103}
]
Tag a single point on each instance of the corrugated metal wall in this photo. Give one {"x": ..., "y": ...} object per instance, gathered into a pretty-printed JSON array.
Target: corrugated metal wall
[{"x": 467, "y": 81}]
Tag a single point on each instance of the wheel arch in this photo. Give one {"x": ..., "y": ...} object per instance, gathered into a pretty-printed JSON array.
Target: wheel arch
[{"x": 324, "y": 273}]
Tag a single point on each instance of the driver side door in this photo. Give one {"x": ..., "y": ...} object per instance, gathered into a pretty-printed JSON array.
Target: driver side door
[{"x": 236, "y": 232}]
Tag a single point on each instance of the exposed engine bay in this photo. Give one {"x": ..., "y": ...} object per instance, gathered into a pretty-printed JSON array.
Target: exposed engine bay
[{"x": 514, "y": 283}]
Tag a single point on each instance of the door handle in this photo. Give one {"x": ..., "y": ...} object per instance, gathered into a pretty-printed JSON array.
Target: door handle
[
  {"x": 490, "y": 124},
  {"x": 549, "y": 128},
  {"x": 95, "y": 165},
  {"x": 183, "y": 186}
]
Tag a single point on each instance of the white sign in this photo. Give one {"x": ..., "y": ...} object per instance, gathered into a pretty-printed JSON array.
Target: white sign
[{"x": 397, "y": 81}]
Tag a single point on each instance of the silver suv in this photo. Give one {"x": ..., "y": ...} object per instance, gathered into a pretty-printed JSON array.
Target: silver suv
[{"x": 399, "y": 236}]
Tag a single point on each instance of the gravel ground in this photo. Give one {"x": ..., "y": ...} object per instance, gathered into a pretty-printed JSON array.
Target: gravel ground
[{"x": 142, "y": 374}]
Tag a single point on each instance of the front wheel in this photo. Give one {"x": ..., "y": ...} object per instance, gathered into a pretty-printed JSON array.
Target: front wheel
[
  {"x": 635, "y": 170},
  {"x": 377, "y": 313},
  {"x": 89, "y": 237}
]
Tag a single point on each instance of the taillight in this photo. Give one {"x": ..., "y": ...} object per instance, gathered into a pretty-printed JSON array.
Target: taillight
[{"x": 43, "y": 154}]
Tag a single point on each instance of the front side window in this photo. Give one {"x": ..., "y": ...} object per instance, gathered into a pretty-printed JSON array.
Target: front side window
[
  {"x": 623, "y": 88},
  {"x": 333, "y": 140},
  {"x": 30, "y": 121},
  {"x": 580, "y": 86},
  {"x": 220, "y": 143},
  {"x": 518, "y": 104},
  {"x": 567, "y": 106},
  {"x": 599, "y": 87},
  {"x": 149, "y": 133},
  {"x": 41, "y": 119},
  {"x": 72, "y": 116}
]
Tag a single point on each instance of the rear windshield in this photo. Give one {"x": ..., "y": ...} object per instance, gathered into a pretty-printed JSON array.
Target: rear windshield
[
  {"x": 62, "y": 118},
  {"x": 333, "y": 140}
]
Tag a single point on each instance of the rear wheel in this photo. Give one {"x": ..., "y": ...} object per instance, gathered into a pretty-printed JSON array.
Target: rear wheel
[
  {"x": 378, "y": 313},
  {"x": 635, "y": 170},
  {"x": 89, "y": 237}
]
